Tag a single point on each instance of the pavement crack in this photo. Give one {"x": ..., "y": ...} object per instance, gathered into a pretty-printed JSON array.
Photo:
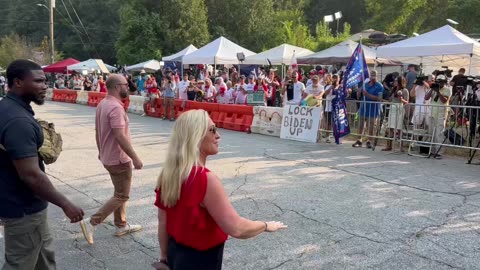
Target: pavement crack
[
  {"x": 237, "y": 173},
  {"x": 280, "y": 264},
  {"x": 337, "y": 227},
  {"x": 240, "y": 186},
  {"x": 74, "y": 188},
  {"x": 96, "y": 261},
  {"x": 435, "y": 260}
]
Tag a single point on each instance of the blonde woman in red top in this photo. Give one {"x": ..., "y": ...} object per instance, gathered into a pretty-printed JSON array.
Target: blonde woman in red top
[{"x": 195, "y": 215}]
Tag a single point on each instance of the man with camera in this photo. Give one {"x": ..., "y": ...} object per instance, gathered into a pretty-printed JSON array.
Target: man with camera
[
  {"x": 418, "y": 91},
  {"x": 439, "y": 97}
]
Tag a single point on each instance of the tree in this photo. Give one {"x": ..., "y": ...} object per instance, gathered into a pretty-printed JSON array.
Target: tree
[
  {"x": 297, "y": 34},
  {"x": 325, "y": 39},
  {"x": 185, "y": 24},
  {"x": 14, "y": 47},
  {"x": 406, "y": 16},
  {"x": 248, "y": 23},
  {"x": 140, "y": 35},
  {"x": 353, "y": 13}
]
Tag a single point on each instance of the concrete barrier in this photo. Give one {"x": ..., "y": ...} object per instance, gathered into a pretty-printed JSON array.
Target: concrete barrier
[
  {"x": 82, "y": 97},
  {"x": 136, "y": 104},
  {"x": 267, "y": 120},
  {"x": 49, "y": 93}
]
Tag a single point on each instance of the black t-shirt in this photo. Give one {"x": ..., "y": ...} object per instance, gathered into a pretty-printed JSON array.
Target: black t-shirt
[
  {"x": 21, "y": 136},
  {"x": 87, "y": 86},
  {"x": 459, "y": 80},
  {"x": 290, "y": 90},
  {"x": 389, "y": 80},
  {"x": 191, "y": 94}
]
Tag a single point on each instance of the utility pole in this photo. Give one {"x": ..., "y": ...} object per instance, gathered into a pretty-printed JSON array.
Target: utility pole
[{"x": 52, "y": 44}]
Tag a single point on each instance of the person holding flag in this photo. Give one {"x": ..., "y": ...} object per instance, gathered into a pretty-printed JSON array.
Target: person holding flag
[
  {"x": 355, "y": 74},
  {"x": 370, "y": 108}
]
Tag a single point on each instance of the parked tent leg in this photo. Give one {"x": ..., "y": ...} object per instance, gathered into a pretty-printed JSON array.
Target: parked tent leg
[{"x": 470, "y": 65}]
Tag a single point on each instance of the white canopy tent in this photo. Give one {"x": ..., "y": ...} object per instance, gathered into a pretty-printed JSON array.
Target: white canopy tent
[
  {"x": 148, "y": 66},
  {"x": 341, "y": 53},
  {"x": 279, "y": 55},
  {"x": 178, "y": 57},
  {"x": 92, "y": 65},
  {"x": 444, "y": 46},
  {"x": 219, "y": 51}
]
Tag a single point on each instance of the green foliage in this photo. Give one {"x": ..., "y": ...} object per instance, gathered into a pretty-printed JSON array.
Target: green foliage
[
  {"x": 247, "y": 23},
  {"x": 353, "y": 12},
  {"x": 139, "y": 35},
  {"x": 14, "y": 47},
  {"x": 130, "y": 31}
]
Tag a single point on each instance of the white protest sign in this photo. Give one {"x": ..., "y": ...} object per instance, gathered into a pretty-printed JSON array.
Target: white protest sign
[{"x": 300, "y": 123}]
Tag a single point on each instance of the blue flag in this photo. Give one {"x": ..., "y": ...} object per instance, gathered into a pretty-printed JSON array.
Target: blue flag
[{"x": 351, "y": 77}]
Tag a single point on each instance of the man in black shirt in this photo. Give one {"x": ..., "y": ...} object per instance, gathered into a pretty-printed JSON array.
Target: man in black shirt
[
  {"x": 25, "y": 189},
  {"x": 459, "y": 80}
]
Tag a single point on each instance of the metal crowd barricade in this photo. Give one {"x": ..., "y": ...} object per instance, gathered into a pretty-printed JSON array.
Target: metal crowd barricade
[{"x": 420, "y": 130}]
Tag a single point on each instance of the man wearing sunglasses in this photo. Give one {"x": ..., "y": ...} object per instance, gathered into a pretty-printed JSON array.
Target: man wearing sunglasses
[{"x": 117, "y": 155}]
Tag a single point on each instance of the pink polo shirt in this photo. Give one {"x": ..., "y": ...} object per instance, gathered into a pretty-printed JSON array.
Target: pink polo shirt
[{"x": 111, "y": 114}]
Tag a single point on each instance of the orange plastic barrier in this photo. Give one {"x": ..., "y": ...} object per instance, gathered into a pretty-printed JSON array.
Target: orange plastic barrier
[
  {"x": 94, "y": 98},
  {"x": 235, "y": 117}
]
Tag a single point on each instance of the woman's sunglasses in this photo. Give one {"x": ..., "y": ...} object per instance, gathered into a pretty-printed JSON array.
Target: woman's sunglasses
[{"x": 213, "y": 130}]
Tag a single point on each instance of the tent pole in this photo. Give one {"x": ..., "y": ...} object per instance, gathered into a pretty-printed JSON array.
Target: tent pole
[
  {"x": 470, "y": 65},
  {"x": 214, "y": 67}
]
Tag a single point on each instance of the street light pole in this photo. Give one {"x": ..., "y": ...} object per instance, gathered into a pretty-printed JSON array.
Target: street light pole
[{"x": 52, "y": 44}]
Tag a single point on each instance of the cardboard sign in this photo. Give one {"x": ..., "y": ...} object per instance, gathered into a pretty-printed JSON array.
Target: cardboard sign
[
  {"x": 300, "y": 123},
  {"x": 256, "y": 98}
]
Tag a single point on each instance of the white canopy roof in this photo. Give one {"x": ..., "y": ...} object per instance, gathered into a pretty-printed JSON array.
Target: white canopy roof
[
  {"x": 219, "y": 51},
  {"x": 92, "y": 64},
  {"x": 340, "y": 54},
  {"x": 279, "y": 55},
  {"x": 148, "y": 66},
  {"x": 179, "y": 55},
  {"x": 444, "y": 46}
]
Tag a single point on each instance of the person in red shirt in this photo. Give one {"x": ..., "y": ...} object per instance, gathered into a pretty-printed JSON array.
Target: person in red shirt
[
  {"x": 102, "y": 85},
  {"x": 195, "y": 215},
  {"x": 152, "y": 94}
]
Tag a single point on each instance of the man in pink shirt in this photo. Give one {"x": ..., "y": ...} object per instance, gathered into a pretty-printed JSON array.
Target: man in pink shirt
[{"x": 117, "y": 155}]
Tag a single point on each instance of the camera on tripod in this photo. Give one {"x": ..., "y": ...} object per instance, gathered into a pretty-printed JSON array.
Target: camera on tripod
[
  {"x": 420, "y": 80},
  {"x": 473, "y": 80},
  {"x": 447, "y": 72}
]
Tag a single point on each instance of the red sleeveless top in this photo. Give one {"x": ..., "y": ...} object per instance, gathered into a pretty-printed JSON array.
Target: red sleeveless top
[
  {"x": 103, "y": 87},
  {"x": 189, "y": 223}
]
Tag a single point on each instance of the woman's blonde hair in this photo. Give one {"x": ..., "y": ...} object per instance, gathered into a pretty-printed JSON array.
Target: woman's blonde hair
[{"x": 183, "y": 153}]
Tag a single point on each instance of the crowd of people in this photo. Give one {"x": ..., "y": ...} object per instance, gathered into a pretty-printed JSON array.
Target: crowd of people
[{"x": 411, "y": 101}]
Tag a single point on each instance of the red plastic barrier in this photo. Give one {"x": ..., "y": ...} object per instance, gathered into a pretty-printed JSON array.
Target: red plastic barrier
[
  {"x": 71, "y": 96},
  {"x": 59, "y": 95},
  {"x": 235, "y": 117},
  {"x": 126, "y": 103},
  {"x": 94, "y": 98},
  {"x": 181, "y": 106},
  {"x": 211, "y": 108},
  {"x": 158, "y": 108}
]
